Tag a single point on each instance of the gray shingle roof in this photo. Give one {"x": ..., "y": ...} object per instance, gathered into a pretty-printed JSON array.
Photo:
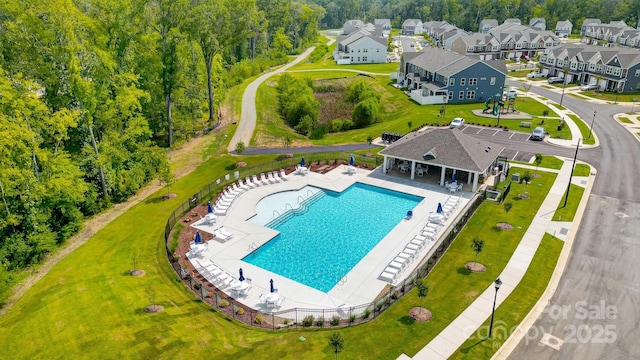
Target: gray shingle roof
[{"x": 453, "y": 149}]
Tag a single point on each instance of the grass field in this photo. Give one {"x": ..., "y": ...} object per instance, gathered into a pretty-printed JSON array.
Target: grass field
[
  {"x": 567, "y": 213},
  {"x": 88, "y": 305}
]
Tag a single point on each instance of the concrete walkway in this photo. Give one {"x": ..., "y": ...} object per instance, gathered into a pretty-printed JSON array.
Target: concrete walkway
[
  {"x": 247, "y": 124},
  {"x": 469, "y": 321}
]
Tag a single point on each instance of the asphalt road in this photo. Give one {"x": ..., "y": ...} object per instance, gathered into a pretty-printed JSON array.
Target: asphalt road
[{"x": 595, "y": 312}]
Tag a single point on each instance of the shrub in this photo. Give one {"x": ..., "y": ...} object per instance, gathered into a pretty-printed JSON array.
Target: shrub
[
  {"x": 365, "y": 112},
  {"x": 305, "y": 125},
  {"x": 352, "y": 318},
  {"x": 307, "y": 321},
  {"x": 240, "y": 147},
  {"x": 545, "y": 113},
  {"x": 347, "y": 124},
  {"x": 318, "y": 53},
  {"x": 335, "y": 321},
  {"x": 258, "y": 320},
  {"x": 335, "y": 125},
  {"x": 320, "y": 322},
  {"x": 223, "y": 303},
  {"x": 239, "y": 311},
  {"x": 318, "y": 133},
  {"x": 366, "y": 313}
]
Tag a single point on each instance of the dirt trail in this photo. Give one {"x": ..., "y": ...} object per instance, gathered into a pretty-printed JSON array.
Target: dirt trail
[{"x": 94, "y": 224}]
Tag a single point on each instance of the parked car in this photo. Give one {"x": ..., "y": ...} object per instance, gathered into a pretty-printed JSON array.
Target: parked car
[
  {"x": 537, "y": 134},
  {"x": 511, "y": 93},
  {"x": 456, "y": 123},
  {"x": 555, "y": 80},
  {"x": 535, "y": 75},
  {"x": 587, "y": 87}
]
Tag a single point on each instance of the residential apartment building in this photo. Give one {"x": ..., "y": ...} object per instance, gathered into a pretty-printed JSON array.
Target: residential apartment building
[
  {"x": 612, "y": 68},
  {"x": 436, "y": 76},
  {"x": 361, "y": 47}
]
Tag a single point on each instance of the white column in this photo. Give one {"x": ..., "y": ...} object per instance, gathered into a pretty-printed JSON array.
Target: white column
[
  {"x": 469, "y": 177},
  {"x": 413, "y": 169},
  {"x": 443, "y": 171},
  {"x": 475, "y": 181},
  {"x": 384, "y": 166}
]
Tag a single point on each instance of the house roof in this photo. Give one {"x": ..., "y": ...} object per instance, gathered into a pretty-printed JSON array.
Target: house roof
[
  {"x": 411, "y": 22},
  {"x": 534, "y": 21},
  {"x": 353, "y": 38},
  {"x": 590, "y": 53},
  {"x": 563, "y": 23},
  {"x": 488, "y": 22},
  {"x": 448, "y": 63},
  {"x": 381, "y": 21},
  {"x": 452, "y": 148}
]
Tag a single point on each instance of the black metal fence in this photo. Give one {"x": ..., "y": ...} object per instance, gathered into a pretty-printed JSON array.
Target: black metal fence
[{"x": 302, "y": 317}]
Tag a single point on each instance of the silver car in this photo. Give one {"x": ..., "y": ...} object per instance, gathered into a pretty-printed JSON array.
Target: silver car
[
  {"x": 456, "y": 123},
  {"x": 537, "y": 134},
  {"x": 588, "y": 87}
]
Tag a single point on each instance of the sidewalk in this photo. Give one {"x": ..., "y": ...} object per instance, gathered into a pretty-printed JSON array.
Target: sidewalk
[{"x": 451, "y": 338}]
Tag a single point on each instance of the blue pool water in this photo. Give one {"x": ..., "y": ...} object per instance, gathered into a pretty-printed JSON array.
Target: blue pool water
[{"x": 320, "y": 246}]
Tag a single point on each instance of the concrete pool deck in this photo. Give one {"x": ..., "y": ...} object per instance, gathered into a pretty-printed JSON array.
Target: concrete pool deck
[{"x": 361, "y": 285}]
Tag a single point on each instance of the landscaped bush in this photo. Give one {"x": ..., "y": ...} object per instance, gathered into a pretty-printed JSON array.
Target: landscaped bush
[
  {"x": 239, "y": 311},
  {"x": 335, "y": 321},
  {"x": 366, "y": 313},
  {"x": 223, "y": 303},
  {"x": 307, "y": 321},
  {"x": 365, "y": 112},
  {"x": 335, "y": 125},
  {"x": 318, "y": 133},
  {"x": 352, "y": 318},
  {"x": 258, "y": 319},
  {"x": 320, "y": 322}
]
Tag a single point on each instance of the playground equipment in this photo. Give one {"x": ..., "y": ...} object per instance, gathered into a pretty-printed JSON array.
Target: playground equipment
[{"x": 499, "y": 105}]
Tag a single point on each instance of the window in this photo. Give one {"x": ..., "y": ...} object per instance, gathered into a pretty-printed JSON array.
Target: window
[
  {"x": 452, "y": 81},
  {"x": 637, "y": 72},
  {"x": 358, "y": 58},
  {"x": 364, "y": 58},
  {"x": 471, "y": 94},
  {"x": 462, "y": 81},
  {"x": 492, "y": 81},
  {"x": 450, "y": 97},
  {"x": 461, "y": 95},
  {"x": 378, "y": 49},
  {"x": 473, "y": 81},
  {"x": 365, "y": 50}
]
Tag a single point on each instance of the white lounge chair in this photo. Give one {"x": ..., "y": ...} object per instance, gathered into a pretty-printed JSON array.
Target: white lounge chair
[
  {"x": 276, "y": 176},
  {"x": 255, "y": 180},
  {"x": 301, "y": 169},
  {"x": 283, "y": 175},
  {"x": 271, "y": 178},
  {"x": 405, "y": 256},
  {"x": 387, "y": 277},
  {"x": 401, "y": 260},
  {"x": 263, "y": 179},
  {"x": 396, "y": 265},
  {"x": 247, "y": 182},
  {"x": 224, "y": 232},
  {"x": 219, "y": 235},
  {"x": 419, "y": 243},
  {"x": 237, "y": 188},
  {"x": 412, "y": 247},
  {"x": 220, "y": 210}
]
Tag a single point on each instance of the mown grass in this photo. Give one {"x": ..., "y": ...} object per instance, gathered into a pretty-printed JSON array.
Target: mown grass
[
  {"x": 625, "y": 120},
  {"x": 582, "y": 170},
  {"x": 516, "y": 306},
  {"x": 567, "y": 213},
  {"x": 610, "y": 96},
  {"x": 548, "y": 162},
  {"x": 584, "y": 130},
  {"x": 89, "y": 306}
]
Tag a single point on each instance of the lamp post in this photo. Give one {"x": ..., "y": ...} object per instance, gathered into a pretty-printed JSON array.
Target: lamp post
[
  {"x": 571, "y": 176},
  {"x": 592, "y": 121},
  {"x": 565, "y": 70},
  {"x": 616, "y": 100},
  {"x": 497, "y": 284},
  {"x": 444, "y": 105}
]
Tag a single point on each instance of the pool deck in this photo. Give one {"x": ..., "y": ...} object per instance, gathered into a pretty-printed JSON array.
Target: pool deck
[{"x": 361, "y": 285}]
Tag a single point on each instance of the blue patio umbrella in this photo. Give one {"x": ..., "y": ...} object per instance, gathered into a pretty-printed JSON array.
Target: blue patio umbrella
[
  {"x": 272, "y": 288},
  {"x": 453, "y": 177},
  {"x": 439, "y": 211},
  {"x": 352, "y": 160},
  {"x": 198, "y": 238},
  {"x": 302, "y": 161},
  {"x": 241, "y": 278},
  {"x": 209, "y": 207}
]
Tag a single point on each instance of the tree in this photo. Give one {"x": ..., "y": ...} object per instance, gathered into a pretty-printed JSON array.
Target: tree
[
  {"x": 365, "y": 112},
  {"x": 336, "y": 342},
  {"x": 527, "y": 87},
  {"x": 166, "y": 177},
  {"x": 409, "y": 124},
  {"x": 507, "y": 207},
  {"x": 526, "y": 177},
  {"x": 538, "y": 159},
  {"x": 423, "y": 289},
  {"x": 287, "y": 140},
  {"x": 477, "y": 245},
  {"x": 240, "y": 147}
]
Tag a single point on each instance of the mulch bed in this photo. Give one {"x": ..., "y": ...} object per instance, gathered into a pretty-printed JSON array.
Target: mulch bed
[
  {"x": 535, "y": 176},
  {"x": 475, "y": 267},
  {"x": 504, "y": 226},
  {"x": 523, "y": 196},
  {"x": 152, "y": 309},
  {"x": 420, "y": 314},
  {"x": 137, "y": 273}
]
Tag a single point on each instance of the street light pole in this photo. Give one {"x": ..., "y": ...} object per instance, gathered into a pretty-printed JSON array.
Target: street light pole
[
  {"x": 564, "y": 85},
  {"x": 497, "y": 284},
  {"x": 444, "y": 106},
  {"x": 592, "y": 121},
  {"x": 571, "y": 176}
]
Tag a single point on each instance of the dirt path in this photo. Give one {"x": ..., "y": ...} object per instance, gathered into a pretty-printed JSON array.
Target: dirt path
[{"x": 94, "y": 224}]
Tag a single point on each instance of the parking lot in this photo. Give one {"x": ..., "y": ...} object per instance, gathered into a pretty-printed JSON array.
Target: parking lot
[{"x": 505, "y": 138}]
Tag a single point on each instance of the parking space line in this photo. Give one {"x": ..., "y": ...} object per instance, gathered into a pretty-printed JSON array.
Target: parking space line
[
  {"x": 511, "y": 135},
  {"x": 479, "y": 131},
  {"x": 514, "y": 156},
  {"x": 495, "y": 133}
]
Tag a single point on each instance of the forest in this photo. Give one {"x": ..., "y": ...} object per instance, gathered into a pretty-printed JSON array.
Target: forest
[
  {"x": 94, "y": 92},
  {"x": 466, "y": 14}
]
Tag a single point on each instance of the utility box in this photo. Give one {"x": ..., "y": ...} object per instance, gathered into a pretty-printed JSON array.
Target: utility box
[{"x": 515, "y": 177}]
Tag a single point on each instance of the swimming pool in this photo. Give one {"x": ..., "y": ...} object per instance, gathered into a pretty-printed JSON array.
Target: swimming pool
[{"x": 319, "y": 246}]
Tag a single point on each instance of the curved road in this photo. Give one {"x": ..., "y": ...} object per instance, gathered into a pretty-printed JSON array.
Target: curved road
[{"x": 595, "y": 311}]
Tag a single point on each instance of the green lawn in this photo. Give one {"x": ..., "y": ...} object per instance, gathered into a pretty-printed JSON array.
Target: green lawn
[
  {"x": 513, "y": 310},
  {"x": 549, "y": 162},
  {"x": 88, "y": 305},
  {"x": 625, "y": 120},
  {"x": 609, "y": 96},
  {"x": 584, "y": 130},
  {"x": 582, "y": 170},
  {"x": 567, "y": 213}
]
